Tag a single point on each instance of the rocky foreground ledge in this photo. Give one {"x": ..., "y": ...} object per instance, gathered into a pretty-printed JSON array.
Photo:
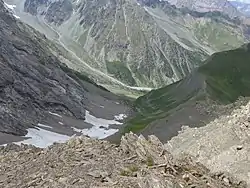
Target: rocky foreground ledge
[
  {"x": 221, "y": 145},
  {"x": 87, "y": 163}
]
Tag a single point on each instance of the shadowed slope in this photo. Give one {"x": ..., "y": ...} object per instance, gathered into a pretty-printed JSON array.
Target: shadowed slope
[{"x": 223, "y": 79}]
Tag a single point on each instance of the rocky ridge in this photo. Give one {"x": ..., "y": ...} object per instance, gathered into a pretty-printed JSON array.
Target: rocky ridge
[
  {"x": 85, "y": 162},
  {"x": 222, "y": 145}
]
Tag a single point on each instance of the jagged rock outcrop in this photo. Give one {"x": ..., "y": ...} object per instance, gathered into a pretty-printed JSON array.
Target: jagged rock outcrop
[
  {"x": 85, "y": 162},
  {"x": 222, "y": 145}
]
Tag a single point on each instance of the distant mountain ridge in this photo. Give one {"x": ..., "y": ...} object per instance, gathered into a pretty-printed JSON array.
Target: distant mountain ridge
[
  {"x": 139, "y": 43},
  {"x": 208, "y": 6},
  {"x": 121, "y": 40},
  {"x": 243, "y": 7}
]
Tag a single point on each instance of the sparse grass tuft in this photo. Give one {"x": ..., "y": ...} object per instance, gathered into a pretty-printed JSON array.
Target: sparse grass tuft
[
  {"x": 150, "y": 161},
  {"x": 129, "y": 171},
  {"x": 125, "y": 173},
  {"x": 133, "y": 168}
]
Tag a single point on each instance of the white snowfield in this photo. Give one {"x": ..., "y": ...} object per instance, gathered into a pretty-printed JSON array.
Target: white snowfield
[
  {"x": 100, "y": 127},
  {"x": 120, "y": 116},
  {"x": 44, "y": 126},
  {"x": 11, "y": 7},
  {"x": 16, "y": 16},
  {"x": 96, "y": 132},
  {"x": 99, "y": 121},
  {"x": 54, "y": 114},
  {"x": 42, "y": 138}
]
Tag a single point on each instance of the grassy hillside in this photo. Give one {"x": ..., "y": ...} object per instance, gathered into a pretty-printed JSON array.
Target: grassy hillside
[
  {"x": 223, "y": 78},
  {"x": 121, "y": 72},
  {"x": 227, "y": 74}
]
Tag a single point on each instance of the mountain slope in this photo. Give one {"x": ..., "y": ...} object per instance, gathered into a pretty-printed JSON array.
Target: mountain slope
[
  {"x": 138, "y": 44},
  {"x": 207, "y": 6},
  {"x": 221, "y": 80},
  {"x": 209, "y": 31},
  {"x": 124, "y": 43},
  {"x": 39, "y": 94},
  {"x": 243, "y": 7}
]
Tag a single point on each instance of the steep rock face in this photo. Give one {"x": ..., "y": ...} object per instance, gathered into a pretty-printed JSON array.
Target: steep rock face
[
  {"x": 84, "y": 162},
  {"x": 33, "y": 82}
]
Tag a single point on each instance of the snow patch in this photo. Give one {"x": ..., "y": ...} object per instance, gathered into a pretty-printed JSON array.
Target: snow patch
[
  {"x": 78, "y": 130},
  {"x": 11, "y": 7},
  {"x": 54, "y": 114},
  {"x": 96, "y": 132},
  {"x": 16, "y": 16},
  {"x": 42, "y": 138},
  {"x": 44, "y": 126},
  {"x": 121, "y": 117},
  {"x": 99, "y": 121},
  {"x": 100, "y": 126}
]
